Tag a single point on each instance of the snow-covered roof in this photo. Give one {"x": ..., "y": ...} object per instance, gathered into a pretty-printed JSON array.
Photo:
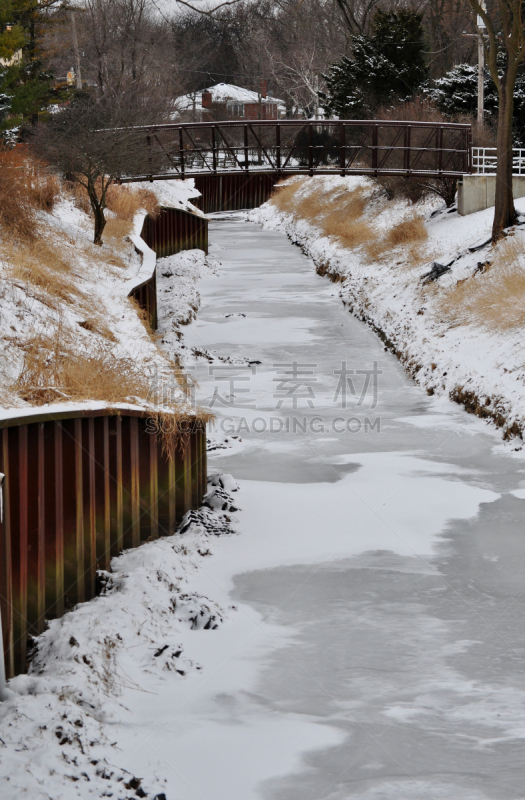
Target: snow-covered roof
[{"x": 221, "y": 93}]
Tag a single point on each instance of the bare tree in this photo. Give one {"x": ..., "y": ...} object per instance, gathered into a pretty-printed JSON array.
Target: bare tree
[
  {"x": 505, "y": 37},
  {"x": 356, "y": 14},
  {"x": 95, "y": 142},
  {"x": 125, "y": 43}
]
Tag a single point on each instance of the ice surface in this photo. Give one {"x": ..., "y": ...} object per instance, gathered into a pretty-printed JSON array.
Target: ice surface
[{"x": 377, "y": 649}]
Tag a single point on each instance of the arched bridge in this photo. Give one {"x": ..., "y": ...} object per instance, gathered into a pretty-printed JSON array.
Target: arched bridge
[{"x": 344, "y": 147}]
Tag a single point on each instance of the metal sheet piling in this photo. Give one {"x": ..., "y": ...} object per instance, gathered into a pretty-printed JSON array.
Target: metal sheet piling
[{"x": 76, "y": 491}]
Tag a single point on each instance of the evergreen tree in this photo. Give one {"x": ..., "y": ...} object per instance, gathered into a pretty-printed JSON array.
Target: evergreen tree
[
  {"x": 386, "y": 66},
  {"x": 457, "y": 93},
  {"x": 26, "y": 87}
]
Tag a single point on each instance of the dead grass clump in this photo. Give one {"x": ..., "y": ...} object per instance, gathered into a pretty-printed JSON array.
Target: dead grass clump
[
  {"x": 122, "y": 201},
  {"x": 46, "y": 189},
  {"x": 143, "y": 316},
  {"x": 79, "y": 196},
  {"x": 344, "y": 221},
  {"x": 117, "y": 228},
  {"x": 53, "y": 371},
  {"x": 98, "y": 326},
  {"x": 17, "y": 202},
  {"x": 494, "y": 298},
  {"x": 340, "y": 212},
  {"x": 284, "y": 194},
  {"x": 408, "y": 231},
  {"x": 352, "y": 233},
  {"x": 337, "y": 211},
  {"x": 41, "y": 265},
  {"x": 125, "y": 201},
  {"x": 174, "y": 427}
]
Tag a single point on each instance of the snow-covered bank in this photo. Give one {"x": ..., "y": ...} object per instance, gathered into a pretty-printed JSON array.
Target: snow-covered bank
[
  {"x": 68, "y": 329},
  {"x": 458, "y": 333},
  {"x": 59, "y": 723}
]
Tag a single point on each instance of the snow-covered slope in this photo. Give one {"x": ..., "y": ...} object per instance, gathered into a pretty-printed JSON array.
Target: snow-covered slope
[
  {"x": 63, "y": 297},
  {"x": 474, "y": 355}
]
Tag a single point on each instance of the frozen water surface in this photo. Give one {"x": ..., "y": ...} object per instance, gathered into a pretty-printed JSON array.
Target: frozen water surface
[{"x": 379, "y": 648}]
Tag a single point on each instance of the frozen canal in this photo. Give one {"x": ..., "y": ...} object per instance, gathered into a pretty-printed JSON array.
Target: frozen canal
[{"x": 379, "y": 647}]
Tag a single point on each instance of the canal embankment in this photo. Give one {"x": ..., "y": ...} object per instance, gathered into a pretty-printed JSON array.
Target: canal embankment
[{"x": 445, "y": 300}]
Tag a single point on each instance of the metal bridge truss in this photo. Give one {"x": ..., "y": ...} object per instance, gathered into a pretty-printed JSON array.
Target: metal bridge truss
[{"x": 344, "y": 147}]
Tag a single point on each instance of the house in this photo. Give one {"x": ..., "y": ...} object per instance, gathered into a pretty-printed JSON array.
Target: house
[{"x": 227, "y": 101}]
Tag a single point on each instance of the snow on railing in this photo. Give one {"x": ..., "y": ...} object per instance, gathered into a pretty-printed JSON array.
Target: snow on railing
[{"x": 485, "y": 160}]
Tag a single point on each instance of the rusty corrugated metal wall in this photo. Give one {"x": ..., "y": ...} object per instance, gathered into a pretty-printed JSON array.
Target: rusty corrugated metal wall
[
  {"x": 175, "y": 230},
  {"x": 78, "y": 489},
  {"x": 169, "y": 233},
  {"x": 233, "y": 192}
]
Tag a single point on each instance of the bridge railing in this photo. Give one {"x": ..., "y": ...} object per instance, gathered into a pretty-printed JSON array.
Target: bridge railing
[
  {"x": 485, "y": 160},
  {"x": 364, "y": 147}
]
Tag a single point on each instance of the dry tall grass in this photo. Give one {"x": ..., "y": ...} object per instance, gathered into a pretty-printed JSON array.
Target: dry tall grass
[
  {"x": 284, "y": 195},
  {"x": 494, "y": 298},
  {"x": 46, "y": 188},
  {"x": 26, "y": 187},
  {"x": 336, "y": 211},
  {"x": 17, "y": 204},
  {"x": 409, "y": 231},
  {"x": 122, "y": 201},
  {"x": 342, "y": 214},
  {"x": 42, "y": 265},
  {"x": 54, "y": 370},
  {"x": 125, "y": 201}
]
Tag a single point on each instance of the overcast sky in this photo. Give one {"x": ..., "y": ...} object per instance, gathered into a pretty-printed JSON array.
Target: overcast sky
[{"x": 169, "y": 6}]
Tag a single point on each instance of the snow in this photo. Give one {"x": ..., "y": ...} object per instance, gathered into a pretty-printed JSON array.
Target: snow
[
  {"x": 174, "y": 193},
  {"x": 221, "y": 93},
  {"x": 149, "y": 257},
  {"x": 440, "y": 356}
]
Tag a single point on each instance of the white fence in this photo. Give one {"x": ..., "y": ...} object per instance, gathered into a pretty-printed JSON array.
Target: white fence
[{"x": 484, "y": 161}]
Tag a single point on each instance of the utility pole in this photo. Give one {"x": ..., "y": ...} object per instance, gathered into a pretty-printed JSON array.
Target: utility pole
[
  {"x": 480, "y": 25},
  {"x": 78, "y": 74},
  {"x": 481, "y": 71}
]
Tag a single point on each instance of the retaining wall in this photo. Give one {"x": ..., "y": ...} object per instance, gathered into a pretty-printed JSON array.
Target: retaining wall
[
  {"x": 169, "y": 233},
  {"x": 80, "y": 485},
  {"x": 233, "y": 192},
  {"x": 478, "y": 192}
]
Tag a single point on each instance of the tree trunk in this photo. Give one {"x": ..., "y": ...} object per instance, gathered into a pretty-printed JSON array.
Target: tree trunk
[
  {"x": 504, "y": 212},
  {"x": 100, "y": 224}
]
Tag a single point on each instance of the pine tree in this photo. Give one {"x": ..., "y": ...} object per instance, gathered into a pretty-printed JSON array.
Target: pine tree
[
  {"x": 457, "y": 93},
  {"x": 26, "y": 87},
  {"x": 386, "y": 66}
]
